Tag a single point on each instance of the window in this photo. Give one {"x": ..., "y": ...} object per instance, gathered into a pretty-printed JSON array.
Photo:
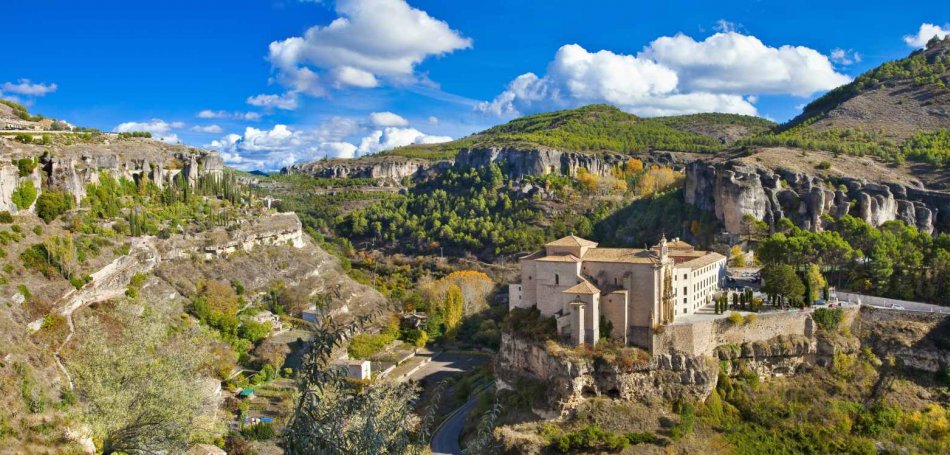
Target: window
[
  {"x": 557, "y": 279},
  {"x": 684, "y": 290}
]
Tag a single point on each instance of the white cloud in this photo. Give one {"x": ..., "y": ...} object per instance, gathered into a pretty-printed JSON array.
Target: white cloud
[
  {"x": 210, "y": 114},
  {"x": 926, "y": 33},
  {"x": 742, "y": 64},
  {"x": 672, "y": 75},
  {"x": 210, "y": 129},
  {"x": 287, "y": 101},
  {"x": 371, "y": 39},
  {"x": 159, "y": 128},
  {"x": 390, "y": 138},
  {"x": 725, "y": 26},
  {"x": 284, "y": 145},
  {"x": 433, "y": 120},
  {"x": 844, "y": 57},
  {"x": 387, "y": 119},
  {"x": 27, "y": 88}
]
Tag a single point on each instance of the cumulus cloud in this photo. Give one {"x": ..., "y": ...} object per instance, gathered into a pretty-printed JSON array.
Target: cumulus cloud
[
  {"x": 390, "y": 138},
  {"x": 284, "y": 145},
  {"x": 387, "y": 119},
  {"x": 25, "y": 87},
  {"x": 287, "y": 101},
  {"x": 844, "y": 57},
  {"x": 672, "y": 75},
  {"x": 925, "y": 33},
  {"x": 369, "y": 41},
  {"x": 211, "y": 114},
  {"x": 210, "y": 129},
  {"x": 159, "y": 128},
  {"x": 742, "y": 64}
]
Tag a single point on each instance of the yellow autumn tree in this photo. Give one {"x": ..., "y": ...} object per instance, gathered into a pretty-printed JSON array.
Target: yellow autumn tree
[
  {"x": 453, "y": 307},
  {"x": 475, "y": 287},
  {"x": 586, "y": 181},
  {"x": 633, "y": 166}
]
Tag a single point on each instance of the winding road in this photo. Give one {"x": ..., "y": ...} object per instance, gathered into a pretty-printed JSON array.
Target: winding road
[{"x": 445, "y": 440}]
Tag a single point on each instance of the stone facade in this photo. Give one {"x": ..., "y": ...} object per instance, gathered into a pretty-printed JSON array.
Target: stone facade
[{"x": 635, "y": 290}]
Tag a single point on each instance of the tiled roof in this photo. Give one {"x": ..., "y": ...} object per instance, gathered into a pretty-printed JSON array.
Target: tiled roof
[
  {"x": 560, "y": 258},
  {"x": 571, "y": 240},
  {"x": 628, "y": 255},
  {"x": 584, "y": 287},
  {"x": 708, "y": 257}
]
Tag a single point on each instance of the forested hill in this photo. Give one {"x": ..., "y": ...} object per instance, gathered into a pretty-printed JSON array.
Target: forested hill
[
  {"x": 897, "y": 98},
  {"x": 602, "y": 128}
]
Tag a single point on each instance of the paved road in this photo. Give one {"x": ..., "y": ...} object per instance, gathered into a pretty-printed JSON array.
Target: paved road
[
  {"x": 446, "y": 364},
  {"x": 445, "y": 441}
]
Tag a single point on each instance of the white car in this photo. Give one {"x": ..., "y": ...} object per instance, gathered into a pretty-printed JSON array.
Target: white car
[{"x": 897, "y": 307}]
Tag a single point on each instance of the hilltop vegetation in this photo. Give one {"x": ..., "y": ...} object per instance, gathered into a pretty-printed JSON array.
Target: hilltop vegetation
[{"x": 603, "y": 128}]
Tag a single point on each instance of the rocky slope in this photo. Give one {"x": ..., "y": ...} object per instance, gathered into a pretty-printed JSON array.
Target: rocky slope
[
  {"x": 688, "y": 369},
  {"x": 70, "y": 167},
  {"x": 735, "y": 188},
  {"x": 896, "y": 99}
]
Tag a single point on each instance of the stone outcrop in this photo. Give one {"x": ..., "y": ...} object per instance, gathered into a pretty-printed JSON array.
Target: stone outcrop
[
  {"x": 571, "y": 379},
  {"x": 733, "y": 190},
  {"x": 392, "y": 168},
  {"x": 521, "y": 162},
  {"x": 72, "y": 169},
  {"x": 689, "y": 357}
]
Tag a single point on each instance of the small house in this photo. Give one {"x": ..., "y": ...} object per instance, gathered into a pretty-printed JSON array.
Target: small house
[
  {"x": 414, "y": 320},
  {"x": 356, "y": 369},
  {"x": 246, "y": 393}
]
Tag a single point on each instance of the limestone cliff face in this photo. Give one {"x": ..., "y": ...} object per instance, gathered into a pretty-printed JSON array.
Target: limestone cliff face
[
  {"x": 71, "y": 171},
  {"x": 521, "y": 162},
  {"x": 733, "y": 190},
  {"x": 688, "y": 358},
  {"x": 570, "y": 380},
  {"x": 384, "y": 168}
]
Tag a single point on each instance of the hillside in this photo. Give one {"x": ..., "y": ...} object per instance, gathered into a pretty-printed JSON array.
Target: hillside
[
  {"x": 896, "y": 99},
  {"x": 603, "y": 128}
]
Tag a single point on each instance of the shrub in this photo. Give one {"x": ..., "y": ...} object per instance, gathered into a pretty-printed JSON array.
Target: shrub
[
  {"x": 640, "y": 438},
  {"x": 24, "y": 195},
  {"x": 590, "y": 438},
  {"x": 6, "y": 217},
  {"x": 827, "y": 318},
  {"x": 824, "y": 165},
  {"x": 750, "y": 318},
  {"x": 259, "y": 432},
  {"x": 736, "y": 319},
  {"x": 25, "y": 166},
  {"x": 25, "y": 291},
  {"x": 52, "y": 204}
]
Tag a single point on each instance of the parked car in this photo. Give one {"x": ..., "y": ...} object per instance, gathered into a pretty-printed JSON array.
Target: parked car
[{"x": 897, "y": 307}]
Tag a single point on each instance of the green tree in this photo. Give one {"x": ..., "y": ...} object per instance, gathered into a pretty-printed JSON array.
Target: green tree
[
  {"x": 782, "y": 281},
  {"x": 140, "y": 386},
  {"x": 52, "y": 204}
]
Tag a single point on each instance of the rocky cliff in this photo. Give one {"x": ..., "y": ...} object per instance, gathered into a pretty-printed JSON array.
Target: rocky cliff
[
  {"x": 533, "y": 161},
  {"x": 690, "y": 357},
  {"x": 392, "y": 168},
  {"x": 71, "y": 168},
  {"x": 734, "y": 189}
]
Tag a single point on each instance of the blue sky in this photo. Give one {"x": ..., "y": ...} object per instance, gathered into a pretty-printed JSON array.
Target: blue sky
[{"x": 272, "y": 82}]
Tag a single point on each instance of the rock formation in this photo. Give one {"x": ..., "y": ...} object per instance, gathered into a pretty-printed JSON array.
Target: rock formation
[
  {"x": 734, "y": 189},
  {"x": 73, "y": 168}
]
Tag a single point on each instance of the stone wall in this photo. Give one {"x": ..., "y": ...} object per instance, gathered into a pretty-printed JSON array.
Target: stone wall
[{"x": 702, "y": 338}]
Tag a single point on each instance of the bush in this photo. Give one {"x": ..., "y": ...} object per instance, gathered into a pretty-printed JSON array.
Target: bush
[
  {"x": 259, "y": 432},
  {"x": 736, "y": 319},
  {"x": 24, "y": 195},
  {"x": 640, "y": 438},
  {"x": 824, "y": 165},
  {"x": 750, "y": 318},
  {"x": 52, "y": 204},
  {"x": 6, "y": 217},
  {"x": 590, "y": 438},
  {"x": 25, "y": 166},
  {"x": 827, "y": 318}
]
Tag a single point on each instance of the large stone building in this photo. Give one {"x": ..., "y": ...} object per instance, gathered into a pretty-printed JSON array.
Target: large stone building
[{"x": 636, "y": 290}]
